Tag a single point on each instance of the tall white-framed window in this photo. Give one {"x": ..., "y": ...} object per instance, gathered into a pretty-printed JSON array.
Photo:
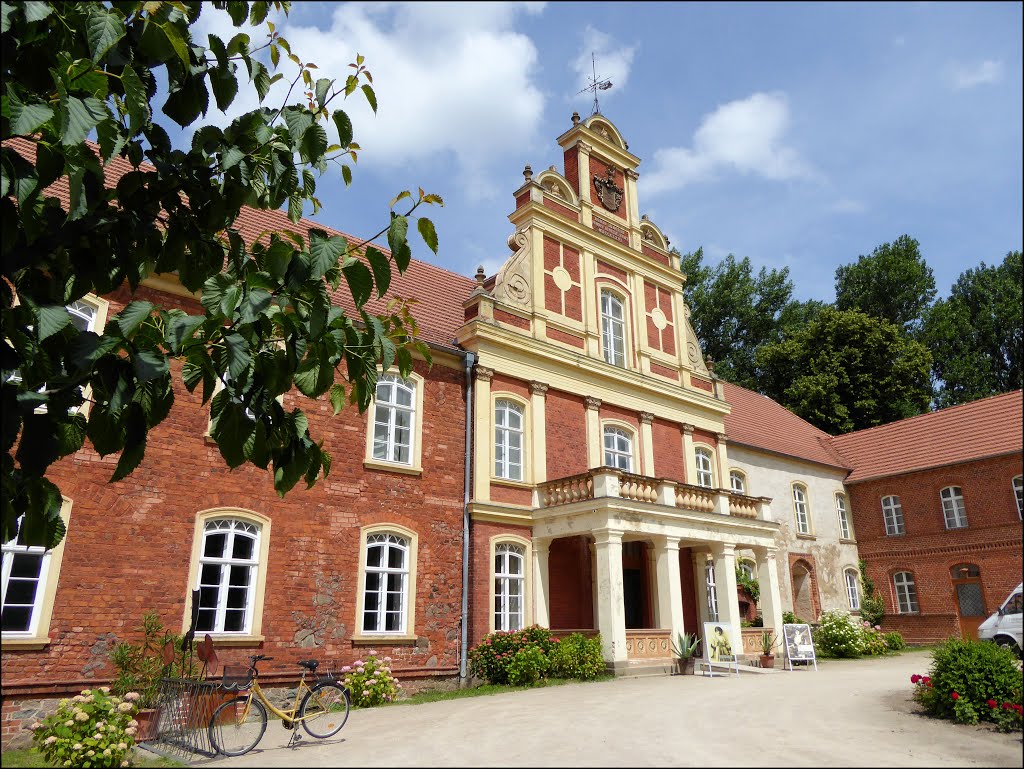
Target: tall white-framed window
[
  {"x": 25, "y": 570},
  {"x": 618, "y": 448},
  {"x": 508, "y": 440},
  {"x": 229, "y": 564},
  {"x": 801, "y": 509},
  {"x": 1018, "y": 494},
  {"x": 852, "y": 588},
  {"x": 613, "y": 329},
  {"x": 509, "y": 586},
  {"x": 705, "y": 467},
  {"x": 712, "y": 591},
  {"x": 843, "y": 515},
  {"x": 906, "y": 592},
  {"x": 953, "y": 507},
  {"x": 394, "y": 419},
  {"x": 386, "y": 584},
  {"x": 892, "y": 514},
  {"x": 738, "y": 481}
]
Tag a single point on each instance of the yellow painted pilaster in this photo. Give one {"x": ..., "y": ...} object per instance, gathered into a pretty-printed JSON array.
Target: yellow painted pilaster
[
  {"x": 688, "y": 455},
  {"x": 647, "y": 443},
  {"x": 538, "y": 435},
  {"x": 723, "y": 463},
  {"x": 595, "y": 453},
  {"x": 482, "y": 435}
]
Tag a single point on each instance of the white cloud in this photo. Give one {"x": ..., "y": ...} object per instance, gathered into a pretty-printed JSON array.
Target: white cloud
[
  {"x": 848, "y": 206},
  {"x": 451, "y": 79},
  {"x": 969, "y": 76},
  {"x": 613, "y": 62},
  {"x": 746, "y": 136}
]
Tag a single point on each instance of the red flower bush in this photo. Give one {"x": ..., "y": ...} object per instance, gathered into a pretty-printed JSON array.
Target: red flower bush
[
  {"x": 915, "y": 678},
  {"x": 954, "y": 696},
  {"x": 991, "y": 704}
]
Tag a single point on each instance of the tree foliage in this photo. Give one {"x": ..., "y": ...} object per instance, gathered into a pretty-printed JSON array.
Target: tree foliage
[
  {"x": 76, "y": 70},
  {"x": 846, "y": 371},
  {"x": 734, "y": 311},
  {"x": 892, "y": 283},
  {"x": 975, "y": 335}
]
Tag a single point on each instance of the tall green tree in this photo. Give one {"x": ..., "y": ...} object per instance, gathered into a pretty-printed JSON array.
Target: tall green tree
[
  {"x": 975, "y": 335},
  {"x": 893, "y": 283},
  {"x": 734, "y": 311},
  {"x": 75, "y": 70},
  {"x": 845, "y": 370}
]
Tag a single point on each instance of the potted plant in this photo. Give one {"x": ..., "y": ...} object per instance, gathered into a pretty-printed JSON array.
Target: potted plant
[
  {"x": 684, "y": 648},
  {"x": 767, "y": 647}
]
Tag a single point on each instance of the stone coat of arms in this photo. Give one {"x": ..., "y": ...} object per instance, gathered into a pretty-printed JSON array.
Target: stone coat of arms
[{"x": 608, "y": 192}]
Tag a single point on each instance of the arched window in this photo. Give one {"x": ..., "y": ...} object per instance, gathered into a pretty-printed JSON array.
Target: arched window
[
  {"x": 801, "y": 509},
  {"x": 852, "y": 588},
  {"x": 618, "y": 449},
  {"x": 892, "y": 513},
  {"x": 906, "y": 592},
  {"x": 953, "y": 507},
  {"x": 394, "y": 419},
  {"x": 613, "y": 329},
  {"x": 844, "y": 518},
  {"x": 712, "y": 591},
  {"x": 509, "y": 586},
  {"x": 738, "y": 481},
  {"x": 705, "y": 471},
  {"x": 1018, "y": 494},
  {"x": 386, "y": 586},
  {"x": 228, "y": 571},
  {"x": 508, "y": 440}
]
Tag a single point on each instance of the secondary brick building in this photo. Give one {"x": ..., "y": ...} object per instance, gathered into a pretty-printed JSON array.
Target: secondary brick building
[{"x": 937, "y": 506}]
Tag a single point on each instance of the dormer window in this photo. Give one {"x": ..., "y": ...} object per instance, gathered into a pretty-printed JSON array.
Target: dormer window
[{"x": 613, "y": 329}]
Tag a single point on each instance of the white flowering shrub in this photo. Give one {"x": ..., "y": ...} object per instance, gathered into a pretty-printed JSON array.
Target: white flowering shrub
[
  {"x": 371, "y": 682},
  {"x": 92, "y": 729},
  {"x": 839, "y": 635}
]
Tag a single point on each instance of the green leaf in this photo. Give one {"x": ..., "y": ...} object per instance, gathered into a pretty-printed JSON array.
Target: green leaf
[
  {"x": 337, "y": 398},
  {"x": 371, "y": 97},
  {"x": 225, "y": 86},
  {"x": 70, "y": 434},
  {"x": 103, "y": 30},
  {"x": 427, "y": 232},
  {"x": 51, "y": 320},
  {"x": 321, "y": 91},
  {"x": 36, "y": 10},
  {"x": 324, "y": 252},
  {"x": 397, "y": 232},
  {"x": 231, "y": 157},
  {"x": 150, "y": 365},
  {"x": 79, "y": 116},
  {"x": 239, "y": 357},
  {"x": 173, "y": 35},
  {"x": 132, "y": 316},
  {"x": 314, "y": 143},
  {"x": 134, "y": 443},
  {"x": 298, "y": 120},
  {"x": 256, "y": 303},
  {"x": 381, "y": 269},
  {"x": 111, "y": 139},
  {"x": 360, "y": 282},
  {"x": 135, "y": 99},
  {"x": 344, "y": 125},
  {"x": 260, "y": 79},
  {"x": 27, "y": 118}
]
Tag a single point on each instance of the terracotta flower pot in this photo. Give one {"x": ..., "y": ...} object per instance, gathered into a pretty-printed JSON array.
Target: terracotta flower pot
[
  {"x": 768, "y": 661},
  {"x": 684, "y": 667},
  {"x": 148, "y": 719}
]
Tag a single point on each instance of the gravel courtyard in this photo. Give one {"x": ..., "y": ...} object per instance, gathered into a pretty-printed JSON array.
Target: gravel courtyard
[{"x": 849, "y": 713}]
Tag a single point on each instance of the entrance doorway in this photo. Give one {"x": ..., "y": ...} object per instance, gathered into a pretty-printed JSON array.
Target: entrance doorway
[
  {"x": 970, "y": 602},
  {"x": 636, "y": 593}
]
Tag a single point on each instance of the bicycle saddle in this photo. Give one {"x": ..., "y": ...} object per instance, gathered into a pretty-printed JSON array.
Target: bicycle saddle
[{"x": 310, "y": 665}]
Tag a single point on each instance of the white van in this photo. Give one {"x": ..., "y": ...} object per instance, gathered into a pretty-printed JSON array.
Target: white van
[{"x": 1004, "y": 627}]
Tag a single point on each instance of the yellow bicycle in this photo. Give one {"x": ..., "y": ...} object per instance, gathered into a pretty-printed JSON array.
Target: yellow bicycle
[{"x": 239, "y": 724}]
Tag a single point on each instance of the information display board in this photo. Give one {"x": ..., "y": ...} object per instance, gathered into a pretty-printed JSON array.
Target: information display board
[
  {"x": 799, "y": 645},
  {"x": 718, "y": 647}
]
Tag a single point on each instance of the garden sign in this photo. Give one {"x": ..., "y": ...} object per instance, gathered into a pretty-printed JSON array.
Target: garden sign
[{"x": 799, "y": 644}]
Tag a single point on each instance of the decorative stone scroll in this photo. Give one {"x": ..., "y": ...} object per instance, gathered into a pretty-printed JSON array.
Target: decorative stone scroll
[{"x": 512, "y": 283}]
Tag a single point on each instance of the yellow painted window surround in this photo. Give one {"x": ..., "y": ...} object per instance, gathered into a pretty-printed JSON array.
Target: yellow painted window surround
[
  {"x": 394, "y": 424},
  {"x": 386, "y": 590},
  {"x": 511, "y": 587}
]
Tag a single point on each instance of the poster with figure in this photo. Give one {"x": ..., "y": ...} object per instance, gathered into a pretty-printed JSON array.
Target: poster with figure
[
  {"x": 718, "y": 646},
  {"x": 799, "y": 644}
]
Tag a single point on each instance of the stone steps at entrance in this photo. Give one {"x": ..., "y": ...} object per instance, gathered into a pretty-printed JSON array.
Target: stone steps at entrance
[{"x": 667, "y": 667}]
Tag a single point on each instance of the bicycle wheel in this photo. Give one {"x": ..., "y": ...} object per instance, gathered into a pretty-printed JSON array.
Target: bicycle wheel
[
  {"x": 234, "y": 732},
  {"x": 324, "y": 710}
]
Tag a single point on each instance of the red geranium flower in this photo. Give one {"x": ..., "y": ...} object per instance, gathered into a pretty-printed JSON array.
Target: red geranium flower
[
  {"x": 991, "y": 704},
  {"x": 1007, "y": 705},
  {"x": 915, "y": 678},
  {"x": 955, "y": 696}
]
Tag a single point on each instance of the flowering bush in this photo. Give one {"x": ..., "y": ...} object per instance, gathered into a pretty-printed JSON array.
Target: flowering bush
[
  {"x": 839, "y": 635},
  {"x": 493, "y": 658},
  {"x": 972, "y": 681},
  {"x": 894, "y": 641},
  {"x": 577, "y": 656},
  {"x": 527, "y": 665},
  {"x": 371, "y": 682},
  {"x": 92, "y": 729}
]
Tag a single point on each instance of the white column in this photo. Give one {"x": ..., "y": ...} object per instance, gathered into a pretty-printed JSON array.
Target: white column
[
  {"x": 700, "y": 580},
  {"x": 688, "y": 456},
  {"x": 595, "y": 605},
  {"x": 725, "y": 584},
  {"x": 670, "y": 591},
  {"x": 595, "y": 443},
  {"x": 646, "y": 444},
  {"x": 541, "y": 582},
  {"x": 538, "y": 434},
  {"x": 612, "y": 618},
  {"x": 768, "y": 581},
  {"x": 483, "y": 439}
]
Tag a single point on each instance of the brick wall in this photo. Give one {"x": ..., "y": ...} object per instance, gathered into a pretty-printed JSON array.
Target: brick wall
[
  {"x": 480, "y": 574},
  {"x": 571, "y": 603},
  {"x": 566, "y": 434}
]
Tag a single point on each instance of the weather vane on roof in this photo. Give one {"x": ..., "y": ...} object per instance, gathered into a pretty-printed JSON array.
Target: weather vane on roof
[{"x": 596, "y": 84}]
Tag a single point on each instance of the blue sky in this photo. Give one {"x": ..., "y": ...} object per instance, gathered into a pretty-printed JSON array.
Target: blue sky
[{"x": 798, "y": 134}]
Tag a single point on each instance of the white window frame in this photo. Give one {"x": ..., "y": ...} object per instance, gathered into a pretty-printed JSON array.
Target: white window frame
[
  {"x": 616, "y": 456},
  {"x": 704, "y": 462},
  {"x": 852, "y": 578},
  {"x": 711, "y": 590},
  {"x": 747, "y": 568},
  {"x": 843, "y": 515},
  {"x": 906, "y": 593},
  {"x": 892, "y": 516},
  {"x": 505, "y": 579},
  {"x": 1018, "y": 494},
  {"x": 613, "y": 328},
  {"x": 738, "y": 481},
  {"x": 233, "y": 528},
  {"x": 953, "y": 509},
  {"x": 387, "y": 417},
  {"x": 382, "y": 534},
  {"x": 801, "y": 509},
  {"x": 508, "y": 438}
]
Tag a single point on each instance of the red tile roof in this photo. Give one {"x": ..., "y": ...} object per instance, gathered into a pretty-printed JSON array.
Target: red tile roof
[
  {"x": 984, "y": 428},
  {"x": 439, "y": 292},
  {"x": 759, "y": 422}
]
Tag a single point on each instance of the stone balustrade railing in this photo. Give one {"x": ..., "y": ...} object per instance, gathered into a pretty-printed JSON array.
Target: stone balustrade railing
[
  {"x": 612, "y": 482},
  {"x": 648, "y": 644}
]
